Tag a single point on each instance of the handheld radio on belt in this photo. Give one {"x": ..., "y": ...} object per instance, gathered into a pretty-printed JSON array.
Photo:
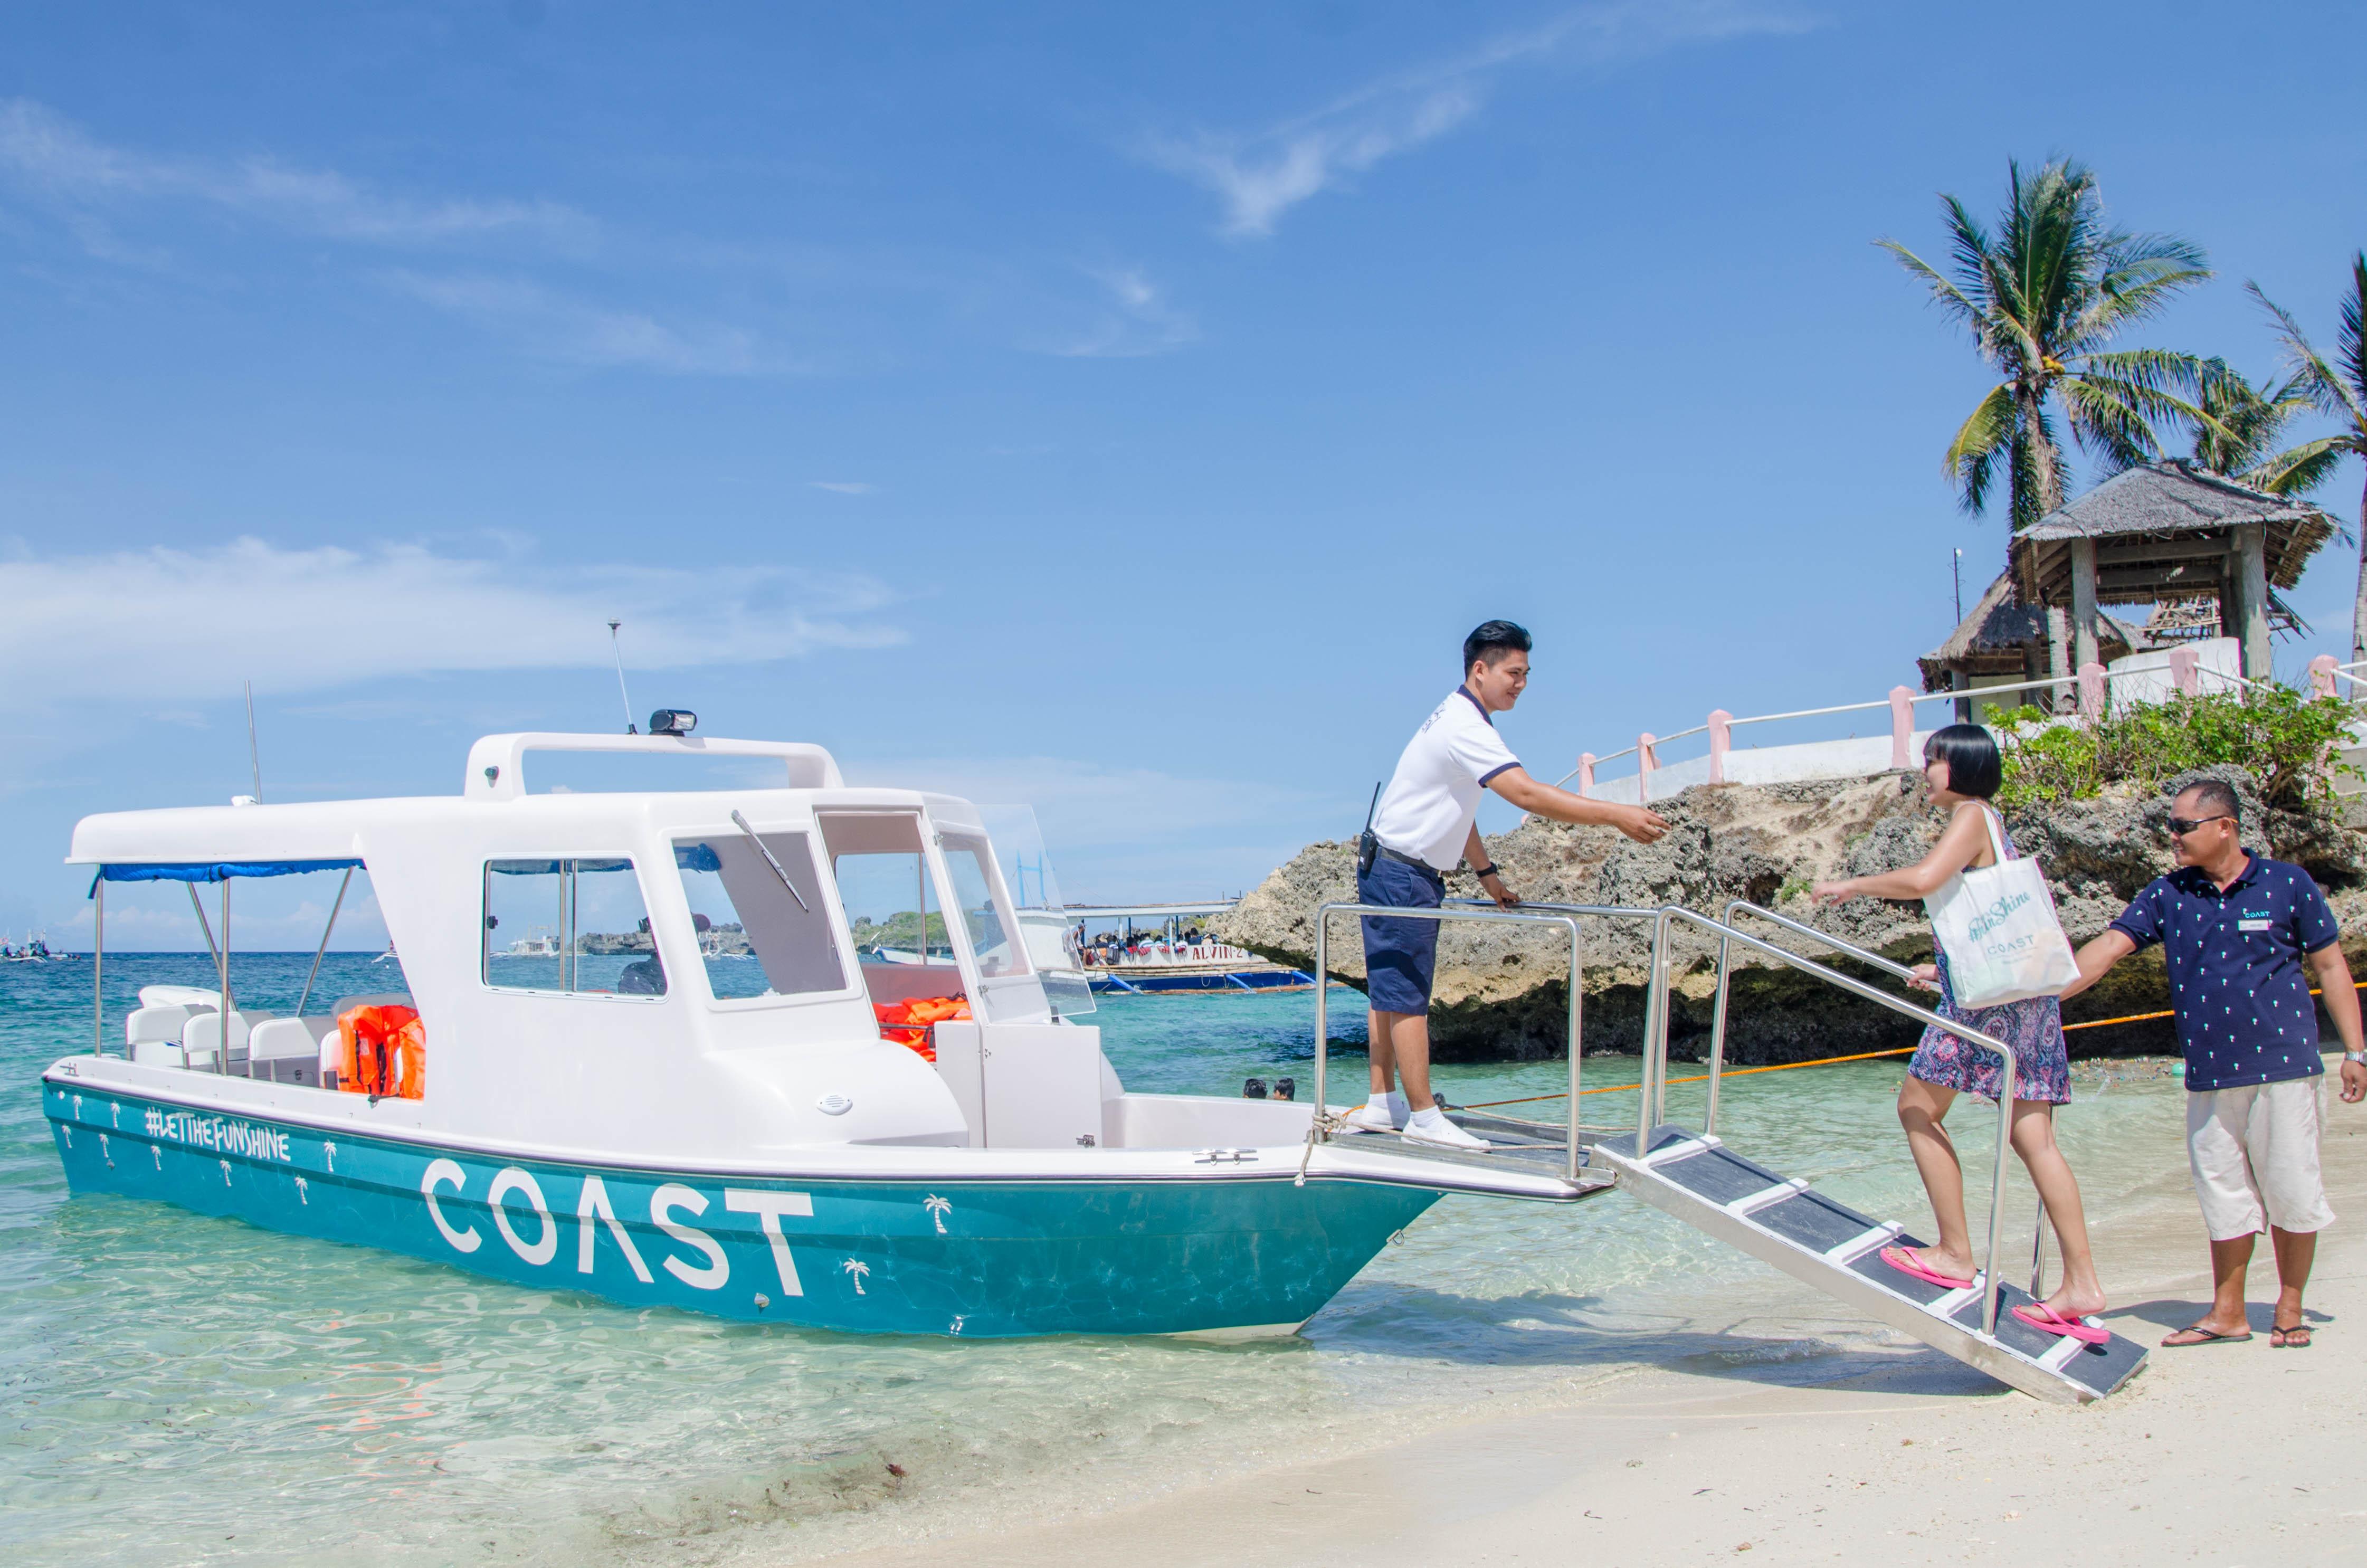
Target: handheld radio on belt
[{"x": 1368, "y": 848}]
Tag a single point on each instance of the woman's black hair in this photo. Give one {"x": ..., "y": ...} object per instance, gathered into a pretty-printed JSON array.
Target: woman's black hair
[{"x": 1971, "y": 754}]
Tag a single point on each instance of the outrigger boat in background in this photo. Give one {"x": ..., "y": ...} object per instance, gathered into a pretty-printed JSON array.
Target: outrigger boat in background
[
  {"x": 748, "y": 1140},
  {"x": 1175, "y": 959}
]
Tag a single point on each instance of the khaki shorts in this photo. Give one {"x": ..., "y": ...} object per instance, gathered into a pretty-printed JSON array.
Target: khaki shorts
[{"x": 2254, "y": 1151}]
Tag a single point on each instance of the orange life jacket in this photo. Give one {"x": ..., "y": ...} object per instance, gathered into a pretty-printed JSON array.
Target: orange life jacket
[
  {"x": 384, "y": 1052},
  {"x": 907, "y": 1022}
]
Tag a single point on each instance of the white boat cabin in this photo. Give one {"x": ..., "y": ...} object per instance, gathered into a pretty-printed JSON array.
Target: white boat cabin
[{"x": 656, "y": 971}]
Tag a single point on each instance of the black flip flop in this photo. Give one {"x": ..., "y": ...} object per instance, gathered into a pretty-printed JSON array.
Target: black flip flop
[
  {"x": 2174, "y": 1343},
  {"x": 2281, "y": 1338}
]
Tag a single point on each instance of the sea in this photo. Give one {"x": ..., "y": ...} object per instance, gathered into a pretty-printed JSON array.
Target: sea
[{"x": 176, "y": 1389}]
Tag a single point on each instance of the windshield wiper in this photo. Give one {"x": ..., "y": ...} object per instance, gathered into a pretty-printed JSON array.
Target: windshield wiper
[{"x": 741, "y": 824}]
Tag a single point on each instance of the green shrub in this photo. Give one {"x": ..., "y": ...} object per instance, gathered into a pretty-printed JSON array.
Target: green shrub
[{"x": 2285, "y": 740}]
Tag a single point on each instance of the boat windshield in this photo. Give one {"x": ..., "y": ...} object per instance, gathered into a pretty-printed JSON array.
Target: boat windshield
[
  {"x": 969, "y": 862},
  {"x": 757, "y": 938}
]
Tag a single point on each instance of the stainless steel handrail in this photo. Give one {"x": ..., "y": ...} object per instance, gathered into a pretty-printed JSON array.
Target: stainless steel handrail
[
  {"x": 1725, "y": 973},
  {"x": 1322, "y": 990},
  {"x": 1717, "y": 1039},
  {"x": 1656, "y": 1052}
]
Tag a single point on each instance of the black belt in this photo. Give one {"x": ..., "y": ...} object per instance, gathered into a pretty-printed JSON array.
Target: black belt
[{"x": 1416, "y": 861}]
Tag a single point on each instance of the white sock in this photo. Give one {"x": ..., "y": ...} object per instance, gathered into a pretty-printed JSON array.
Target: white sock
[
  {"x": 1429, "y": 1117},
  {"x": 1390, "y": 1101}
]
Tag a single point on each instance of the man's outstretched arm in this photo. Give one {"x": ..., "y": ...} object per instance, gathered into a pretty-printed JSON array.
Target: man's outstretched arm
[
  {"x": 1641, "y": 823},
  {"x": 2096, "y": 957}
]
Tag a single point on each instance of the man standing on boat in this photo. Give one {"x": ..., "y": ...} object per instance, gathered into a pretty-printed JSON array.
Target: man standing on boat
[{"x": 1423, "y": 823}]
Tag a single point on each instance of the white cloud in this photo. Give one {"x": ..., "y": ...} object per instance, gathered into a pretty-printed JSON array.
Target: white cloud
[
  {"x": 1260, "y": 176},
  {"x": 158, "y": 625},
  {"x": 549, "y": 325},
  {"x": 844, "y": 486},
  {"x": 1136, "y": 320},
  {"x": 51, "y": 155}
]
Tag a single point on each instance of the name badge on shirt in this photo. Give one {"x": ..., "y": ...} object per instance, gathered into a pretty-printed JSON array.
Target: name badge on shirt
[{"x": 2256, "y": 924}]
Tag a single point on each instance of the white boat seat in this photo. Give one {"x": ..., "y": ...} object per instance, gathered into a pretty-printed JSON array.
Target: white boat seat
[
  {"x": 281, "y": 1039},
  {"x": 202, "y": 1035},
  {"x": 159, "y": 1023}
]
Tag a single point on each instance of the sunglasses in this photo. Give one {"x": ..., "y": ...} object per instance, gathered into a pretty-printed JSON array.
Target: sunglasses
[{"x": 2182, "y": 827}]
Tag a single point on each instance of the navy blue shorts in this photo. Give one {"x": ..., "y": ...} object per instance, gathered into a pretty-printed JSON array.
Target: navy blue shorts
[{"x": 1400, "y": 955}]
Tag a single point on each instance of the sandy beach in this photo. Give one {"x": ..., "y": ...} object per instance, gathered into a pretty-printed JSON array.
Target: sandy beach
[{"x": 2228, "y": 1454}]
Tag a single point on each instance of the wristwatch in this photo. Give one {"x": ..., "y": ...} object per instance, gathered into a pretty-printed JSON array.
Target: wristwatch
[
  {"x": 1483, "y": 870},
  {"x": 2357, "y": 1056}
]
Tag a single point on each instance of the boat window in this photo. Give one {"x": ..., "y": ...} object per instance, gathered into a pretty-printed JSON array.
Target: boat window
[
  {"x": 884, "y": 883},
  {"x": 570, "y": 927},
  {"x": 757, "y": 938},
  {"x": 970, "y": 863}
]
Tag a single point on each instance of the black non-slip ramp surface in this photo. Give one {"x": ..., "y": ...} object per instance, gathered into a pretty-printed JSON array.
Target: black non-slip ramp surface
[
  {"x": 1720, "y": 1174},
  {"x": 1839, "y": 1249},
  {"x": 1815, "y": 1221},
  {"x": 1922, "y": 1292},
  {"x": 2103, "y": 1368}
]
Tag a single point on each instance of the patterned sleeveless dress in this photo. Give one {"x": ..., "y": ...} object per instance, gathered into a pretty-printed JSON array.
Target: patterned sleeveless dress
[{"x": 2034, "y": 1028}]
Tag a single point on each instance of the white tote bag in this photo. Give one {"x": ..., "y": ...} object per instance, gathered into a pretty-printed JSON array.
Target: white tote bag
[{"x": 1997, "y": 925}]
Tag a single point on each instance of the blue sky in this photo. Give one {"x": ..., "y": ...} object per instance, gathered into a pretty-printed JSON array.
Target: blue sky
[{"x": 1119, "y": 411}]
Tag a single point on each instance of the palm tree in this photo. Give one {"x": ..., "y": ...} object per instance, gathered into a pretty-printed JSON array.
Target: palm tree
[
  {"x": 2042, "y": 298},
  {"x": 2338, "y": 390},
  {"x": 2244, "y": 422}
]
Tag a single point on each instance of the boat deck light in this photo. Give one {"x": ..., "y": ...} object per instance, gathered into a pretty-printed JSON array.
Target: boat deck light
[{"x": 672, "y": 721}]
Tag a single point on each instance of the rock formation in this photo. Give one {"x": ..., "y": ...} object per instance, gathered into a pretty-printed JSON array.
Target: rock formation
[{"x": 1503, "y": 990}]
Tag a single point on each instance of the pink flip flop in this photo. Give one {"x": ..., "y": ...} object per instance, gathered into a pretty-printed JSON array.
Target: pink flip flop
[
  {"x": 1904, "y": 1261},
  {"x": 2046, "y": 1320}
]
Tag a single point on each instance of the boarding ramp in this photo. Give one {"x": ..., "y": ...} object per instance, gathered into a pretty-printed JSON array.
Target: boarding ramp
[{"x": 1696, "y": 1177}]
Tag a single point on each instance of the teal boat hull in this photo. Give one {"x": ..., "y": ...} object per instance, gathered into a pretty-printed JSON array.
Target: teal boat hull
[{"x": 972, "y": 1258}]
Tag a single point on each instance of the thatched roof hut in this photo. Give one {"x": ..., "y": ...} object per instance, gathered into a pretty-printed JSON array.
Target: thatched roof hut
[
  {"x": 2167, "y": 531},
  {"x": 2005, "y": 639}
]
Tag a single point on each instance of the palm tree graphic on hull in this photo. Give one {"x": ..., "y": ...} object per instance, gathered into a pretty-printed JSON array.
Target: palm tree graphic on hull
[
  {"x": 855, "y": 1269},
  {"x": 938, "y": 1209}
]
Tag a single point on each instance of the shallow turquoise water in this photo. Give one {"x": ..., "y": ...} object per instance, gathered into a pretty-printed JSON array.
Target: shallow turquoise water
[{"x": 178, "y": 1389}]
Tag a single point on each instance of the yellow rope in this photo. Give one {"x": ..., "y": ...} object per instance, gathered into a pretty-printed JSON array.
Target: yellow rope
[{"x": 1820, "y": 1061}]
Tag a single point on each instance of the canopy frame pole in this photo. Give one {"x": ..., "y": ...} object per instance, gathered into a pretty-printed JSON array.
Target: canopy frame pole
[
  {"x": 229, "y": 1005},
  {"x": 99, "y": 968},
  {"x": 204, "y": 926},
  {"x": 323, "y": 950}
]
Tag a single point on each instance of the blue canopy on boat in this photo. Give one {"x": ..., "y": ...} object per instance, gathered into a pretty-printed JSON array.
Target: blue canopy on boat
[{"x": 216, "y": 870}]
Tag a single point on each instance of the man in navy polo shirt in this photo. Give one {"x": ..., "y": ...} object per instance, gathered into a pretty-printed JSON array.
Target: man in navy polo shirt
[
  {"x": 1424, "y": 822},
  {"x": 2241, "y": 936}
]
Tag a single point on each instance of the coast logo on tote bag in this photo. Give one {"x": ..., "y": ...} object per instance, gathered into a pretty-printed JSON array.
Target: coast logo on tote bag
[{"x": 1997, "y": 925}]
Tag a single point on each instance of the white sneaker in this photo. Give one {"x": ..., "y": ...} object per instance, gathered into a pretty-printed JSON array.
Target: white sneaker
[
  {"x": 1383, "y": 1113},
  {"x": 1432, "y": 1126}
]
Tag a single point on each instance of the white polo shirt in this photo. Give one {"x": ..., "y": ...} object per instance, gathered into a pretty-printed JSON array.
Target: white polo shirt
[{"x": 1428, "y": 809}]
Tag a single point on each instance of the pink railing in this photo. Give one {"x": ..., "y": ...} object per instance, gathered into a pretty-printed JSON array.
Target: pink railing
[{"x": 2092, "y": 685}]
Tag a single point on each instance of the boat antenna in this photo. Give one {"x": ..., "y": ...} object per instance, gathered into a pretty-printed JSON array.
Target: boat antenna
[
  {"x": 617, "y": 648},
  {"x": 254, "y": 755}
]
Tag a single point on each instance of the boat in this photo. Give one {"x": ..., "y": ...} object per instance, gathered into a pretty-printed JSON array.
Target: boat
[
  {"x": 1177, "y": 958},
  {"x": 759, "y": 1151},
  {"x": 541, "y": 942},
  {"x": 933, "y": 1147}
]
